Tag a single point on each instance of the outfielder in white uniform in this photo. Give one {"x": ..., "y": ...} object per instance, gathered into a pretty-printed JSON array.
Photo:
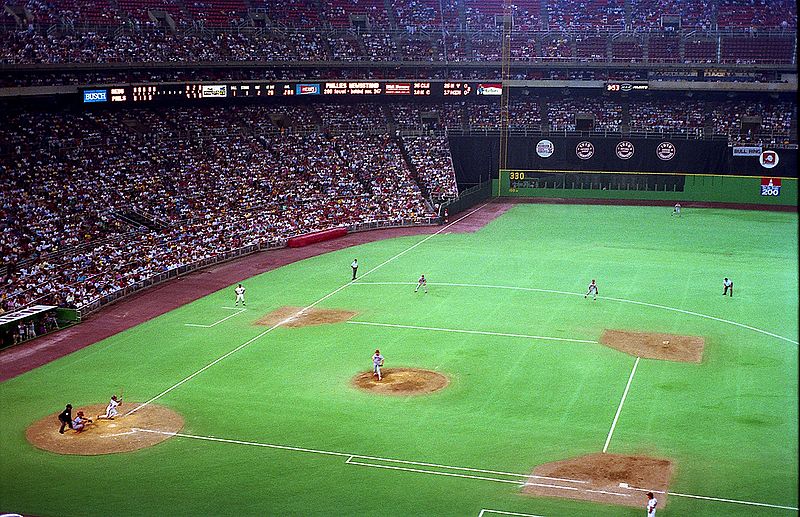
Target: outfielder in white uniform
[
  {"x": 239, "y": 295},
  {"x": 727, "y": 284},
  {"x": 111, "y": 409},
  {"x": 377, "y": 362},
  {"x": 652, "y": 502},
  {"x": 422, "y": 283},
  {"x": 677, "y": 209},
  {"x": 592, "y": 290}
]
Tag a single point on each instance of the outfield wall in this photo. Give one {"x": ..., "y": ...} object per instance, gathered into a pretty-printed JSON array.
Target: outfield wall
[
  {"x": 477, "y": 157},
  {"x": 743, "y": 191}
]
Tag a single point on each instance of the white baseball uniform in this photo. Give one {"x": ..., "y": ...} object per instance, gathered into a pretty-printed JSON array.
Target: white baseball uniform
[
  {"x": 111, "y": 410},
  {"x": 592, "y": 290},
  {"x": 651, "y": 507},
  {"x": 377, "y": 359},
  {"x": 239, "y": 294}
]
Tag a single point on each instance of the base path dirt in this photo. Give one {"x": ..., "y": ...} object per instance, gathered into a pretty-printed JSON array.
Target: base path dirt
[
  {"x": 402, "y": 381},
  {"x": 105, "y": 436},
  {"x": 297, "y": 319},
  {"x": 603, "y": 478},
  {"x": 668, "y": 347}
]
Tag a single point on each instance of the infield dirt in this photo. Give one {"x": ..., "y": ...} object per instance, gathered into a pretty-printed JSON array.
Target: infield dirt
[
  {"x": 105, "y": 436},
  {"x": 307, "y": 318},
  {"x": 667, "y": 347},
  {"x": 402, "y": 381},
  {"x": 597, "y": 477}
]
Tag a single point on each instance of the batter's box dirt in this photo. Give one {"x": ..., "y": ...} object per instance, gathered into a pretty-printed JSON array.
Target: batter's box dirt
[
  {"x": 106, "y": 436},
  {"x": 668, "y": 347},
  {"x": 307, "y": 318},
  {"x": 603, "y": 478},
  {"x": 402, "y": 381}
]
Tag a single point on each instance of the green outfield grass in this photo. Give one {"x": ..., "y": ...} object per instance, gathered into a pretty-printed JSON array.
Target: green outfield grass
[{"x": 729, "y": 424}]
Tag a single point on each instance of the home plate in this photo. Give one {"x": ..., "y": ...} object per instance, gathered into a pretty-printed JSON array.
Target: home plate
[{"x": 623, "y": 485}]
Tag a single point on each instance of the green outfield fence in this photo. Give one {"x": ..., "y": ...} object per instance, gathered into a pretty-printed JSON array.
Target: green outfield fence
[{"x": 754, "y": 190}]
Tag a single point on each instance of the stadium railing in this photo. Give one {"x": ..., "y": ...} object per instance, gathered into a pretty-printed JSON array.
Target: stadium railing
[{"x": 467, "y": 199}]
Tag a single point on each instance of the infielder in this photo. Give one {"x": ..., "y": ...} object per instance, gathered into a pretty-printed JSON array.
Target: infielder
[
  {"x": 239, "y": 295},
  {"x": 592, "y": 290},
  {"x": 651, "y": 504},
  {"x": 677, "y": 209},
  {"x": 727, "y": 284},
  {"x": 354, "y": 267},
  {"x": 377, "y": 362},
  {"x": 422, "y": 283},
  {"x": 111, "y": 409}
]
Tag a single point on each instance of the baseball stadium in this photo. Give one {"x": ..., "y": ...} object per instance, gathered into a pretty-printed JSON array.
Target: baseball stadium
[{"x": 482, "y": 258}]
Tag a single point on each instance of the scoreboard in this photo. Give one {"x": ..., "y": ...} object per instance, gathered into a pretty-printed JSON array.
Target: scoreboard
[{"x": 252, "y": 89}]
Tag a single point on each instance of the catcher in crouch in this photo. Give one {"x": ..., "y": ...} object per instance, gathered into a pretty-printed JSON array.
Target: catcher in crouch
[{"x": 377, "y": 362}]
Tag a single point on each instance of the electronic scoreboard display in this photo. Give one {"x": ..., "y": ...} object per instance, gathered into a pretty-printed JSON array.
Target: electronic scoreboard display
[{"x": 330, "y": 89}]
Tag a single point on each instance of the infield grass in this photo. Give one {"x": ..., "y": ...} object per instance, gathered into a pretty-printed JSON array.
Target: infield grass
[{"x": 729, "y": 423}]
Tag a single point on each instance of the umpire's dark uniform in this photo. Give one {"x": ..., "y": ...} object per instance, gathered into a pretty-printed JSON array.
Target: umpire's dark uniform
[{"x": 65, "y": 417}]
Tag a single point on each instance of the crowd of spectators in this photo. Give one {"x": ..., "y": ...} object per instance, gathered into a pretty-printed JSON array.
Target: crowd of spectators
[
  {"x": 214, "y": 189},
  {"x": 775, "y": 121},
  {"x": 158, "y": 45},
  {"x": 586, "y": 14},
  {"x": 416, "y": 16},
  {"x": 607, "y": 113},
  {"x": 684, "y": 117},
  {"x": 430, "y": 157}
]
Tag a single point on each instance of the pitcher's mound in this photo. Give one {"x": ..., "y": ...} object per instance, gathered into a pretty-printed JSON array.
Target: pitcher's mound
[
  {"x": 668, "y": 347},
  {"x": 103, "y": 436},
  {"x": 402, "y": 381},
  {"x": 307, "y": 318},
  {"x": 603, "y": 478}
]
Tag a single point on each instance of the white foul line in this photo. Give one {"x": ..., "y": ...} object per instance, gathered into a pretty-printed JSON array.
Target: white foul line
[
  {"x": 622, "y": 300},
  {"x": 301, "y": 311},
  {"x": 480, "y": 332},
  {"x": 423, "y": 471},
  {"x": 621, "y": 402},
  {"x": 350, "y": 461},
  {"x": 721, "y": 499},
  {"x": 220, "y": 321},
  {"x": 500, "y": 512}
]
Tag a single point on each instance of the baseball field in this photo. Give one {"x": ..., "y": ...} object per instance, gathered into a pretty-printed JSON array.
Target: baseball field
[{"x": 506, "y": 391}]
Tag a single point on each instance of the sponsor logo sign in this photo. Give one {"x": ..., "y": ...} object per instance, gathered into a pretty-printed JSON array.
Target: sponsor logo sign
[
  {"x": 747, "y": 150},
  {"x": 214, "y": 91},
  {"x": 770, "y": 186},
  {"x": 665, "y": 151},
  {"x": 545, "y": 148},
  {"x": 584, "y": 150},
  {"x": 768, "y": 159},
  {"x": 95, "y": 96},
  {"x": 490, "y": 89},
  {"x": 625, "y": 150},
  {"x": 307, "y": 89}
]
